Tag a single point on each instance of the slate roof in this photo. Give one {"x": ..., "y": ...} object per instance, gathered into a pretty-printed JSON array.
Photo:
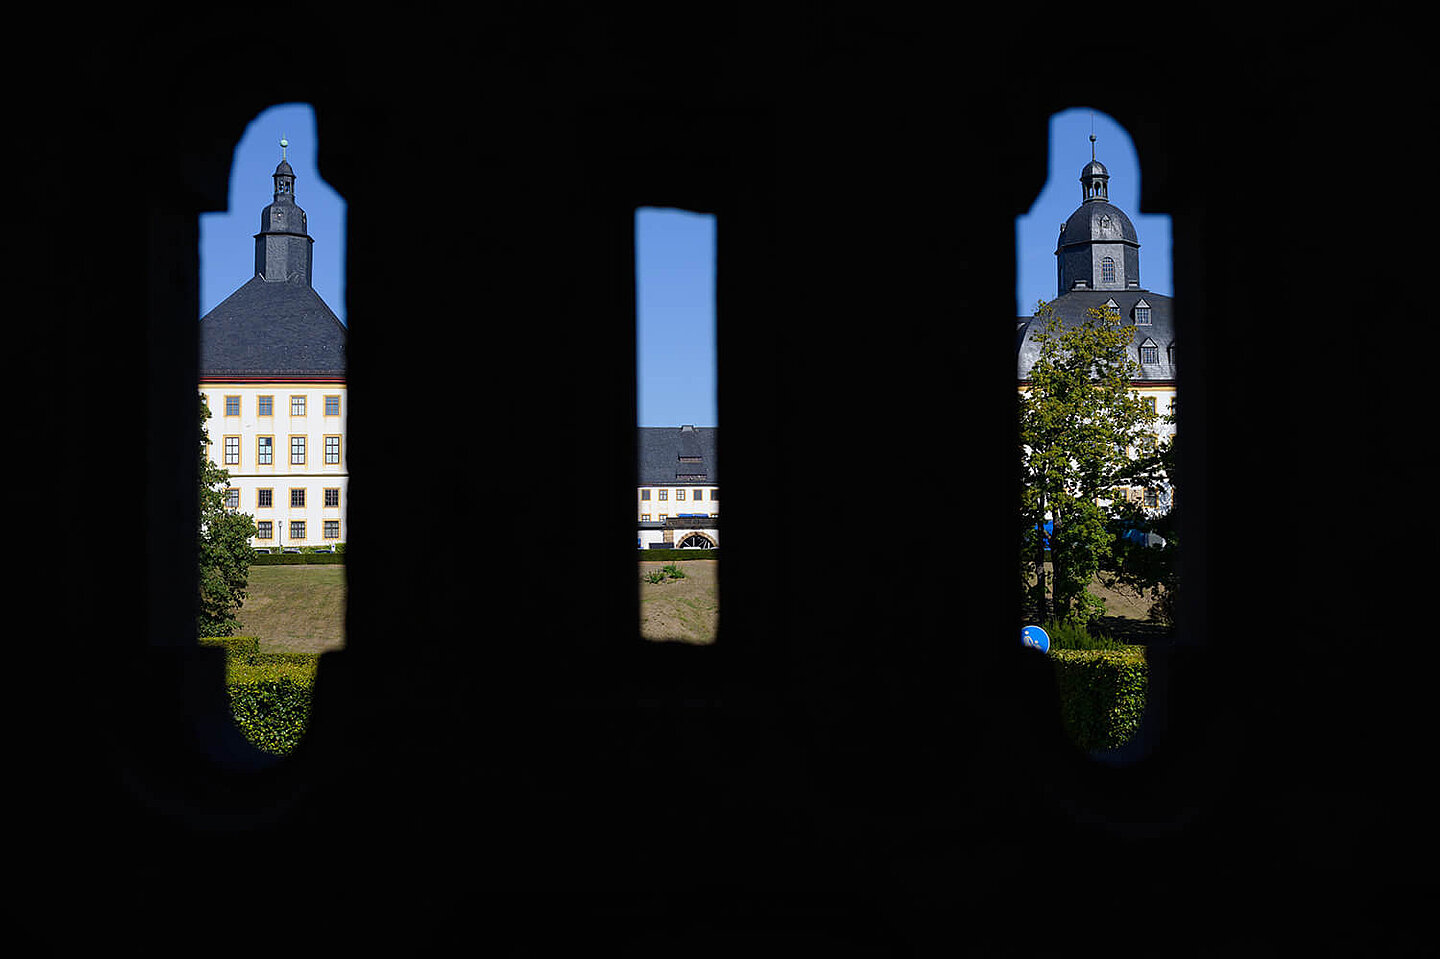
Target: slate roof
[
  {"x": 1097, "y": 221},
  {"x": 1072, "y": 308},
  {"x": 272, "y": 329},
  {"x": 660, "y": 449}
]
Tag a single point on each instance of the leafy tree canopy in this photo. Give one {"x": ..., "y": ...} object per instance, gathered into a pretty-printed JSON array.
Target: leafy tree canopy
[
  {"x": 1080, "y": 423},
  {"x": 224, "y": 546}
]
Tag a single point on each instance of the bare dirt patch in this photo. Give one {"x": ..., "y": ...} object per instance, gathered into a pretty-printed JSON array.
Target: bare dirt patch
[{"x": 685, "y": 610}]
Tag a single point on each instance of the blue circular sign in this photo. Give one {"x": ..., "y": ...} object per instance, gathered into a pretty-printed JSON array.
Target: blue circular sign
[{"x": 1036, "y": 638}]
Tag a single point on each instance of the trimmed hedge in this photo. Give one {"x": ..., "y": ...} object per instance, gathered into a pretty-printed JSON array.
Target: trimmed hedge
[
  {"x": 269, "y": 692},
  {"x": 296, "y": 559},
  {"x": 1102, "y": 694},
  {"x": 670, "y": 555}
]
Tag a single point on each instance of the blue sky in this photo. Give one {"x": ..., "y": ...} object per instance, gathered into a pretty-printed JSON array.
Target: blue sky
[
  {"x": 675, "y": 317},
  {"x": 675, "y": 250},
  {"x": 1037, "y": 231},
  {"x": 227, "y": 239}
]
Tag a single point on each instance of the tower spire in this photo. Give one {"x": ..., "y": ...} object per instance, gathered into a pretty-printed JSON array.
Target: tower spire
[{"x": 282, "y": 247}]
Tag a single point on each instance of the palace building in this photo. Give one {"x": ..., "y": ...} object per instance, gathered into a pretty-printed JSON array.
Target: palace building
[
  {"x": 1097, "y": 264},
  {"x": 678, "y": 499},
  {"x": 272, "y": 369}
]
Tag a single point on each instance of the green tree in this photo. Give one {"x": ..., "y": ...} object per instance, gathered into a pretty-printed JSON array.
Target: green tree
[
  {"x": 224, "y": 547},
  {"x": 1079, "y": 423},
  {"x": 1149, "y": 570}
]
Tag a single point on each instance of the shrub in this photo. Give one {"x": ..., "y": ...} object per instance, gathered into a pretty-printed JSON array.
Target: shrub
[
  {"x": 272, "y": 713},
  {"x": 659, "y": 575},
  {"x": 297, "y": 559},
  {"x": 269, "y": 692},
  {"x": 1102, "y": 694},
  {"x": 671, "y": 555},
  {"x": 1072, "y": 634}
]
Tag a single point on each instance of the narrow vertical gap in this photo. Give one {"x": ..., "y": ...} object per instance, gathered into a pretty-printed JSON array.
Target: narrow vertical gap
[
  {"x": 1099, "y": 546},
  {"x": 273, "y": 381},
  {"x": 678, "y": 480}
]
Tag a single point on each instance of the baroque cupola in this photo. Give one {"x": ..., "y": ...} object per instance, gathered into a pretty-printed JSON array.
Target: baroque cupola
[
  {"x": 283, "y": 245},
  {"x": 1098, "y": 248}
]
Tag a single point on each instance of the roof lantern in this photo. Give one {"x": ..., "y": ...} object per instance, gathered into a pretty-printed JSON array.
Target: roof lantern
[{"x": 1095, "y": 179}]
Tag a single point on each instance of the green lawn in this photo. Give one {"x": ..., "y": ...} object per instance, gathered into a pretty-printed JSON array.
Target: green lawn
[{"x": 295, "y": 609}]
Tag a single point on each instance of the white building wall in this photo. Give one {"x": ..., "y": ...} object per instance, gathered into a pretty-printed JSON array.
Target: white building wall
[
  {"x": 249, "y": 475},
  {"x": 654, "y": 508},
  {"x": 673, "y": 505}
]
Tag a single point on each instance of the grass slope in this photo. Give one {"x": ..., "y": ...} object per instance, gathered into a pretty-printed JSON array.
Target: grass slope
[{"x": 295, "y": 609}]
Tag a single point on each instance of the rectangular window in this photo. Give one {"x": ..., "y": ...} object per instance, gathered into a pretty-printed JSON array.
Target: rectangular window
[
  {"x": 679, "y": 495},
  {"x": 699, "y": 495},
  {"x": 645, "y": 495},
  {"x": 265, "y": 450},
  {"x": 1149, "y": 402},
  {"x": 332, "y": 496},
  {"x": 232, "y": 451},
  {"x": 1142, "y": 316},
  {"x": 332, "y": 449},
  {"x": 297, "y": 406},
  {"x": 264, "y": 529},
  {"x": 232, "y": 406},
  {"x": 662, "y": 495},
  {"x": 297, "y": 498},
  {"x": 264, "y": 406},
  {"x": 297, "y": 451},
  {"x": 1149, "y": 354},
  {"x": 714, "y": 495},
  {"x": 297, "y": 529},
  {"x": 332, "y": 529},
  {"x": 264, "y": 498},
  {"x": 232, "y": 498},
  {"x": 332, "y": 406},
  {"x": 644, "y": 517}
]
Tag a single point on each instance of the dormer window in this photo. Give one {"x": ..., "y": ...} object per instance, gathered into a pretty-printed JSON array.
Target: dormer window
[
  {"x": 1149, "y": 353},
  {"x": 1142, "y": 314}
]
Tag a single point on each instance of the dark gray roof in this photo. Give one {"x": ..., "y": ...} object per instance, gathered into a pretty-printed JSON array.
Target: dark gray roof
[
  {"x": 661, "y": 449},
  {"x": 1072, "y": 309},
  {"x": 272, "y": 329},
  {"x": 1097, "y": 220}
]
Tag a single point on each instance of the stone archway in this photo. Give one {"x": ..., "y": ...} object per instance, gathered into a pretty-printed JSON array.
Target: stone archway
[{"x": 696, "y": 540}]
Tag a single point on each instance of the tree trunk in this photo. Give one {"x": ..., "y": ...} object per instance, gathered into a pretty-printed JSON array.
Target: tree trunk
[{"x": 1040, "y": 603}]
